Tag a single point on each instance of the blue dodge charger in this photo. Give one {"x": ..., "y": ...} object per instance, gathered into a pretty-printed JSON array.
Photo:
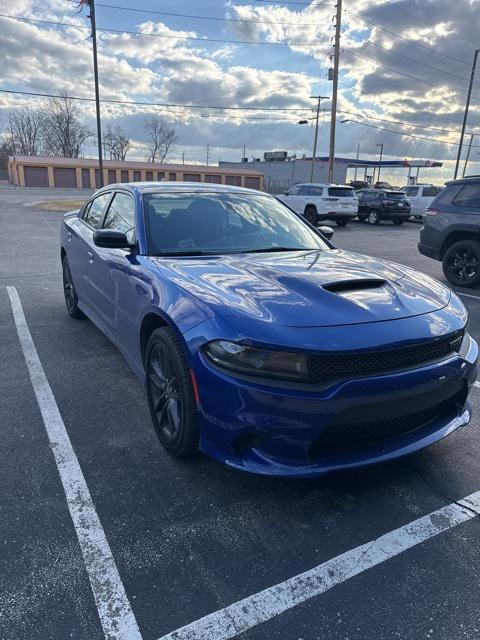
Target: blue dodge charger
[{"x": 258, "y": 341}]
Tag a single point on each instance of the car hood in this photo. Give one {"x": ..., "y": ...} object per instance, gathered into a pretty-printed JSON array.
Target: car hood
[{"x": 307, "y": 288}]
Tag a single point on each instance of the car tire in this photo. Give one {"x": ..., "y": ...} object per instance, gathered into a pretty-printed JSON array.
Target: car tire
[
  {"x": 398, "y": 222},
  {"x": 69, "y": 292},
  {"x": 461, "y": 263},
  {"x": 341, "y": 223},
  {"x": 311, "y": 215},
  {"x": 373, "y": 217},
  {"x": 170, "y": 392}
]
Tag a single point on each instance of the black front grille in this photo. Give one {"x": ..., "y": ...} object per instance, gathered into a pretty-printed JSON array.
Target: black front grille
[
  {"x": 331, "y": 366},
  {"x": 350, "y": 435}
]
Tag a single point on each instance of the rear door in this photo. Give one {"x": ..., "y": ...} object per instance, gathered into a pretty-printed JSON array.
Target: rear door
[{"x": 413, "y": 196}]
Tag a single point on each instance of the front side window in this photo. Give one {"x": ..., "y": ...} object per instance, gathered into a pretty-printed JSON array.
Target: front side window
[
  {"x": 293, "y": 191},
  {"x": 121, "y": 215},
  {"x": 94, "y": 210},
  {"x": 221, "y": 223},
  {"x": 468, "y": 196}
]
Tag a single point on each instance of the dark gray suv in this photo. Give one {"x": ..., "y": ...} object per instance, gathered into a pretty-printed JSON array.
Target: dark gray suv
[{"x": 451, "y": 231}]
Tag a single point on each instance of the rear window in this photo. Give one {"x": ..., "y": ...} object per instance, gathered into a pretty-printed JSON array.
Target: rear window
[
  {"x": 341, "y": 192},
  {"x": 468, "y": 196},
  {"x": 396, "y": 195}
]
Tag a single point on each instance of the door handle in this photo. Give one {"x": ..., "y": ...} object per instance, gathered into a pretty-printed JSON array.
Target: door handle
[{"x": 90, "y": 256}]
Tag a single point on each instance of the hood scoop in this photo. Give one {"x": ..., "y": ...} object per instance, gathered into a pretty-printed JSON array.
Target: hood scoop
[{"x": 359, "y": 284}]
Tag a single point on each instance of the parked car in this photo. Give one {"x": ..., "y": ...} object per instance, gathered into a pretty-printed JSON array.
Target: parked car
[
  {"x": 322, "y": 202},
  {"x": 259, "y": 342},
  {"x": 359, "y": 184},
  {"x": 451, "y": 231},
  {"x": 375, "y": 205},
  {"x": 382, "y": 185},
  {"x": 420, "y": 196}
]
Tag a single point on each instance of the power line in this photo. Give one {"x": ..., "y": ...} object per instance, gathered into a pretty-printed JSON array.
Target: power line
[
  {"x": 155, "y": 104},
  {"x": 400, "y": 122},
  {"x": 414, "y": 42},
  {"x": 197, "y": 17},
  {"x": 432, "y": 24},
  {"x": 409, "y": 135},
  {"x": 309, "y": 4},
  {"x": 401, "y": 73},
  {"x": 164, "y": 35},
  {"x": 401, "y": 55}
]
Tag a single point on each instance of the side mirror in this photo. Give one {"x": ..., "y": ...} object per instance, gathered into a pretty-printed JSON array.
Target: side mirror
[
  {"x": 326, "y": 231},
  {"x": 110, "y": 239}
]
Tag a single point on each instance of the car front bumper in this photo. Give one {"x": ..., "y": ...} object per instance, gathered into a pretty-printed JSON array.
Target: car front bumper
[{"x": 272, "y": 430}]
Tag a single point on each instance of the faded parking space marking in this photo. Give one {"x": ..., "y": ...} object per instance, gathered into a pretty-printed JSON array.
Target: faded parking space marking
[
  {"x": 467, "y": 295},
  {"x": 116, "y": 615},
  {"x": 265, "y": 605}
]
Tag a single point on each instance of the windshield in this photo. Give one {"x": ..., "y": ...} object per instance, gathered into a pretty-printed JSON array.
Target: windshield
[
  {"x": 203, "y": 223},
  {"x": 341, "y": 192},
  {"x": 396, "y": 195}
]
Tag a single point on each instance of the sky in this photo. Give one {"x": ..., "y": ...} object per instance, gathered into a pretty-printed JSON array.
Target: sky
[{"x": 404, "y": 73}]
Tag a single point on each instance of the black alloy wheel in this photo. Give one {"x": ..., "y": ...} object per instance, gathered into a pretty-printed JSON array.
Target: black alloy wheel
[
  {"x": 311, "y": 215},
  {"x": 71, "y": 298},
  {"x": 461, "y": 263},
  {"x": 170, "y": 392}
]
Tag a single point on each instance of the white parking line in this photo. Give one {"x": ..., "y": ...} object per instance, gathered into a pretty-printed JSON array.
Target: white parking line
[
  {"x": 114, "y": 609},
  {"x": 260, "y": 607},
  {"x": 467, "y": 295}
]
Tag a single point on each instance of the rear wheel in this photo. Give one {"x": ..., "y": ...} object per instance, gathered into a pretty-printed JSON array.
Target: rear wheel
[
  {"x": 341, "y": 222},
  {"x": 461, "y": 263},
  {"x": 71, "y": 298},
  {"x": 373, "y": 217},
  {"x": 398, "y": 222},
  {"x": 170, "y": 392},
  {"x": 311, "y": 215}
]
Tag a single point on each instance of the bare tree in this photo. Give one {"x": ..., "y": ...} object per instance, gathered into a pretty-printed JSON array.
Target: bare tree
[
  {"x": 63, "y": 133},
  {"x": 116, "y": 143},
  {"x": 23, "y": 131},
  {"x": 160, "y": 139}
]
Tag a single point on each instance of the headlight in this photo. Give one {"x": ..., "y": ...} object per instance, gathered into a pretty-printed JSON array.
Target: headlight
[{"x": 259, "y": 362}]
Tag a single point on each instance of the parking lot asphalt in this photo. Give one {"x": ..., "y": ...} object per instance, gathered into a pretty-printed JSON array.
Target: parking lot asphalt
[{"x": 189, "y": 538}]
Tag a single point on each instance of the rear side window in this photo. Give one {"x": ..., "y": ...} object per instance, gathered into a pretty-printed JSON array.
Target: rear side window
[
  {"x": 341, "y": 192},
  {"x": 431, "y": 192},
  {"x": 468, "y": 196},
  {"x": 308, "y": 190},
  {"x": 411, "y": 192},
  {"x": 121, "y": 215},
  {"x": 94, "y": 210}
]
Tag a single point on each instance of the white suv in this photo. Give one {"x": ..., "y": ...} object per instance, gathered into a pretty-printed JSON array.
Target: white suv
[
  {"x": 420, "y": 197},
  {"x": 322, "y": 202}
]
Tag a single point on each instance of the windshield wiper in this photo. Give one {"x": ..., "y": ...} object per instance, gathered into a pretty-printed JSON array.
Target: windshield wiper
[{"x": 274, "y": 249}]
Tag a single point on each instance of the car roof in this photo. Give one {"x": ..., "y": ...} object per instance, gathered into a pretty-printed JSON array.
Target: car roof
[
  {"x": 322, "y": 184},
  {"x": 464, "y": 179},
  {"x": 155, "y": 187}
]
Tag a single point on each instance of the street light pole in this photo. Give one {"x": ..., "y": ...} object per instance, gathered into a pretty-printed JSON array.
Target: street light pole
[
  {"x": 468, "y": 155},
  {"x": 380, "y": 162},
  {"x": 465, "y": 115},
  {"x": 358, "y": 155},
  {"x": 315, "y": 139},
  {"x": 208, "y": 152},
  {"x": 91, "y": 4}
]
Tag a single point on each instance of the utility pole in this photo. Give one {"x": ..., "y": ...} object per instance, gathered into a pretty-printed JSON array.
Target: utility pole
[
  {"x": 358, "y": 155},
  {"x": 183, "y": 158},
  {"x": 91, "y": 5},
  {"x": 468, "y": 155},
  {"x": 336, "y": 62},
  {"x": 244, "y": 152},
  {"x": 315, "y": 139},
  {"x": 208, "y": 152},
  {"x": 380, "y": 162},
  {"x": 465, "y": 115}
]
